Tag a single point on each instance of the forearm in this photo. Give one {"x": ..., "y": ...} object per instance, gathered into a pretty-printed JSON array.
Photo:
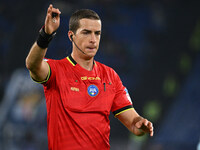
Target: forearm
[{"x": 35, "y": 57}]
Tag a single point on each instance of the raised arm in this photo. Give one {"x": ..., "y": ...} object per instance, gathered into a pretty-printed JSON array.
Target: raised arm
[
  {"x": 34, "y": 61},
  {"x": 135, "y": 123}
]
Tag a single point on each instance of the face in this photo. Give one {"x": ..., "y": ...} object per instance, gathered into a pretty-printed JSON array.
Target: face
[{"x": 87, "y": 37}]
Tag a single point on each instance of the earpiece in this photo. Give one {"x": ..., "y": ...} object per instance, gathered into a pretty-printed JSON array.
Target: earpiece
[{"x": 71, "y": 37}]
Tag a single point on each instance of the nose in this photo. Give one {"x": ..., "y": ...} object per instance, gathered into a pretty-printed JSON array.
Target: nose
[{"x": 93, "y": 38}]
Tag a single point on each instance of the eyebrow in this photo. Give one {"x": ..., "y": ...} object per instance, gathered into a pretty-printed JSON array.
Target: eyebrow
[{"x": 86, "y": 30}]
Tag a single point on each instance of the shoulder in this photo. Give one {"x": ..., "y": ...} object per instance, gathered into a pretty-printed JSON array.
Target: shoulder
[
  {"x": 103, "y": 66},
  {"x": 57, "y": 65},
  {"x": 55, "y": 61},
  {"x": 106, "y": 69}
]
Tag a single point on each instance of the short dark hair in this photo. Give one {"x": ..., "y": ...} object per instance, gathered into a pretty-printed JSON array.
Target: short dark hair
[{"x": 81, "y": 14}]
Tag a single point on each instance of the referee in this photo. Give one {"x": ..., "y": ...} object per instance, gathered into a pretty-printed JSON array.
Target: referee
[{"x": 80, "y": 92}]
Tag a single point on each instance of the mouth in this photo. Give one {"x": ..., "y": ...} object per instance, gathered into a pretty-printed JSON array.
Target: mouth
[{"x": 91, "y": 48}]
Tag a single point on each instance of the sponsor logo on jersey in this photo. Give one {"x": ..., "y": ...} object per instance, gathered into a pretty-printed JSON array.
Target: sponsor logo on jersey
[
  {"x": 127, "y": 95},
  {"x": 90, "y": 78},
  {"x": 75, "y": 89},
  {"x": 93, "y": 90}
]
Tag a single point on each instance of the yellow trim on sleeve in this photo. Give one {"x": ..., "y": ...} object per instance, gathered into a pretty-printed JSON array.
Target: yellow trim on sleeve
[
  {"x": 123, "y": 111},
  {"x": 70, "y": 61},
  {"x": 48, "y": 76}
]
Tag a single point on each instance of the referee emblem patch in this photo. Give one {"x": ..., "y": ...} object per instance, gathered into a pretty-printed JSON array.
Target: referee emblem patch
[
  {"x": 93, "y": 90},
  {"x": 127, "y": 95}
]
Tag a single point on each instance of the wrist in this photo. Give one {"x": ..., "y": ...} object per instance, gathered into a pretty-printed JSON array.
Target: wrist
[{"x": 44, "y": 39}]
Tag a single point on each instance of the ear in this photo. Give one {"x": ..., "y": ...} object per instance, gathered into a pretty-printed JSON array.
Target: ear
[{"x": 70, "y": 35}]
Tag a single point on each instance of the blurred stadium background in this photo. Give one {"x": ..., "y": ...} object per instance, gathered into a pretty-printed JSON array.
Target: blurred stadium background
[{"x": 154, "y": 45}]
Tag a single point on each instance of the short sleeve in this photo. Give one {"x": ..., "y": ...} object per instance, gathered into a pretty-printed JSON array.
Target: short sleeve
[
  {"x": 52, "y": 71},
  {"x": 122, "y": 101},
  {"x": 49, "y": 75}
]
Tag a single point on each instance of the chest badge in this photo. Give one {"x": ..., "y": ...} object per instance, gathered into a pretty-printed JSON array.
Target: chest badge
[{"x": 93, "y": 90}]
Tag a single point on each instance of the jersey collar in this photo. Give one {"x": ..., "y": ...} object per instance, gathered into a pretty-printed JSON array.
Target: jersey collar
[{"x": 73, "y": 62}]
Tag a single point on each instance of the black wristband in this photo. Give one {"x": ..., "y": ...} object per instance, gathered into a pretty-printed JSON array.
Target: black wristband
[{"x": 44, "y": 39}]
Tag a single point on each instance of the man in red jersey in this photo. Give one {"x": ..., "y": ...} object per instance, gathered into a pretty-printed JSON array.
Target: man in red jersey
[{"x": 80, "y": 92}]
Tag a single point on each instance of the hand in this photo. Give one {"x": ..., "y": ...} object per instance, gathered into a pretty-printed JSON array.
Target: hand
[
  {"x": 144, "y": 126},
  {"x": 52, "y": 24}
]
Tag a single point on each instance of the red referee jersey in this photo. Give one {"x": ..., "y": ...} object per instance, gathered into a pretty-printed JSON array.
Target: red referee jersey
[{"x": 79, "y": 103}]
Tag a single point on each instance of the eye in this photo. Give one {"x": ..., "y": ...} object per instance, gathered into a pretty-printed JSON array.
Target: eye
[
  {"x": 98, "y": 33},
  {"x": 85, "y": 32}
]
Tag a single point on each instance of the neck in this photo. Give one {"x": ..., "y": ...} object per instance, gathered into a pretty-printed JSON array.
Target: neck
[{"x": 85, "y": 62}]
